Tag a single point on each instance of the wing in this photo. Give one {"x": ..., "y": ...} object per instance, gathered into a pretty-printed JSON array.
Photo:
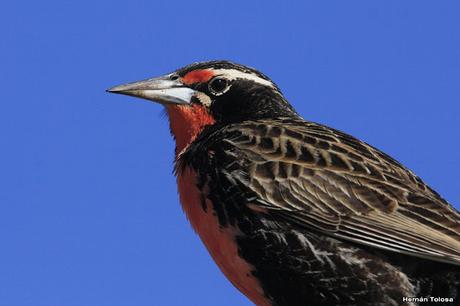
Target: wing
[{"x": 328, "y": 181}]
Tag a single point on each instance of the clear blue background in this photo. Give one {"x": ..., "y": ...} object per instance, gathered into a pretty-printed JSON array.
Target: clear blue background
[{"x": 89, "y": 213}]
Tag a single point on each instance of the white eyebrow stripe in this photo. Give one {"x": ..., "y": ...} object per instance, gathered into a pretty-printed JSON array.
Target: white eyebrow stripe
[{"x": 233, "y": 74}]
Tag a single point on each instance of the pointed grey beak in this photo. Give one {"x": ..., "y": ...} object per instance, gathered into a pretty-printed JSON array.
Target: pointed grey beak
[{"x": 162, "y": 90}]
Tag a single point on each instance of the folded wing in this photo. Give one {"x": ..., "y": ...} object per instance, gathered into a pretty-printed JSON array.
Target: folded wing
[{"x": 328, "y": 181}]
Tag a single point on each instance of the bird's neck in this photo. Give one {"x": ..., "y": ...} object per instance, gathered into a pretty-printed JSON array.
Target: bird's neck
[{"x": 186, "y": 122}]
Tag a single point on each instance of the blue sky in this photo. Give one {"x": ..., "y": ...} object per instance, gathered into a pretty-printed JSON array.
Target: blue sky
[{"x": 89, "y": 213}]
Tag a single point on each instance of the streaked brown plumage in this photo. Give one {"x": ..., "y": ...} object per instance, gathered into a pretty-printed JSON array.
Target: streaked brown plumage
[
  {"x": 322, "y": 178},
  {"x": 294, "y": 212}
]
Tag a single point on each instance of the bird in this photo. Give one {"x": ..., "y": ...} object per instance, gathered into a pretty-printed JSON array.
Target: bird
[{"x": 294, "y": 212}]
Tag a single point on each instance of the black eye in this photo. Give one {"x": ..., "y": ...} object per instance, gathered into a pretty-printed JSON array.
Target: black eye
[
  {"x": 218, "y": 86},
  {"x": 173, "y": 77}
]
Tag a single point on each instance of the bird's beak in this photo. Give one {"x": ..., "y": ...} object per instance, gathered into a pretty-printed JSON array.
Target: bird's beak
[{"x": 162, "y": 90}]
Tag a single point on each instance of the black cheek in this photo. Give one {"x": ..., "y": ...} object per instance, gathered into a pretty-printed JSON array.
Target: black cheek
[
  {"x": 248, "y": 101},
  {"x": 226, "y": 106}
]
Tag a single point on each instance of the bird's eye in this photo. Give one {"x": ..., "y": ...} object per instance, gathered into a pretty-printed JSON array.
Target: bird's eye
[
  {"x": 173, "y": 77},
  {"x": 218, "y": 86}
]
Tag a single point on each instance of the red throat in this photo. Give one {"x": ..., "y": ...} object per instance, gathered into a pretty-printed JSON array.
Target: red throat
[{"x": 187, "y": 122}]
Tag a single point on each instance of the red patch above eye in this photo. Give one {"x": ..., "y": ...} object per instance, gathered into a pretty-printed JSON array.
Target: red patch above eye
[{"x": 197, "y": 76}]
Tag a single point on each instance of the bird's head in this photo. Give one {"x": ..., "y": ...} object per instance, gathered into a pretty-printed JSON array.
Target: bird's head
[{"x": 207, "y": 93}]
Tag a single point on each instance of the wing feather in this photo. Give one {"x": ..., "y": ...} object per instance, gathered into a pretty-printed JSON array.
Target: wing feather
[{"x": 326, "y": 180}]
